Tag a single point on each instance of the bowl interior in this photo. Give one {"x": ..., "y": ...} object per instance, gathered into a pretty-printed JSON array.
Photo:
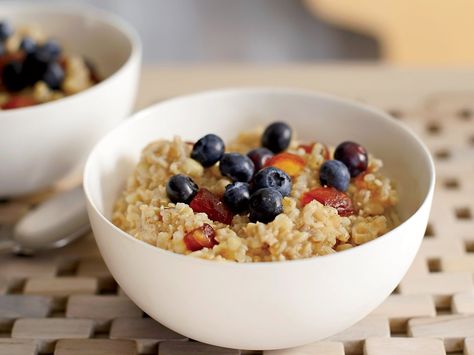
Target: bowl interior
[
  {"x": 313, "y": 118},
  {"x": 80, "y": 30}
]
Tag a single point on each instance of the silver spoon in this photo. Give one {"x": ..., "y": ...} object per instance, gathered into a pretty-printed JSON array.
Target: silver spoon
[{"x": 52, "y": 224}]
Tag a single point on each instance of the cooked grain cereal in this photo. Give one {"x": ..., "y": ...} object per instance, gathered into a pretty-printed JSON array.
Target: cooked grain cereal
[
  {"x": 78, "y": 74},
  {"x": 144, "y": 210}
]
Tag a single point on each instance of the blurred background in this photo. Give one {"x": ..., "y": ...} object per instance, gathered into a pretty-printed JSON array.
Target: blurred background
[
  {"x": 237, "y": 31},
  {"x": 421, "y": 32}
]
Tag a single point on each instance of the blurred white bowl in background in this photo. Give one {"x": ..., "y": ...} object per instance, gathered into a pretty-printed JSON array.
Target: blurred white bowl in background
[
  {"x": 41, "y": 144},
  {"x": 260, "y": 305}
]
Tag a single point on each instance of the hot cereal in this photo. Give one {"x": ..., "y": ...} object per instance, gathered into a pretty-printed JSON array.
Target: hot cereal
[
  {"x": 35, "y": 69},
  {"x": 263, "y": 197}
]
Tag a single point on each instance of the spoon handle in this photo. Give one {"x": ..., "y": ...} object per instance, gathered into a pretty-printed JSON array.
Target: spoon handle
[{"x": 7, "y": 246}]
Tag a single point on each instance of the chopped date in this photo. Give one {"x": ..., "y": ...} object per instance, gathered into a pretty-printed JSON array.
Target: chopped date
[
  {"x": 201, "y": 237},
  {"x": 19, "y": 101},
  {"x": 291, "y": 164},
  {"x": 329, "y": 196},
  {"x": 205, "y": 201}
]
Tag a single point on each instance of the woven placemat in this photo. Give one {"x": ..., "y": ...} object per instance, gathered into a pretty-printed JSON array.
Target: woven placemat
[{"x": 66, "y": 302}]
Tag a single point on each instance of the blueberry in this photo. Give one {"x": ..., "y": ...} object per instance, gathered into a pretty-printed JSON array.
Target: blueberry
[
  {"x": 208, "y": 150},
  {"x": 237, "y": 196},
  {"x": 49, "y": 51},
  {"x": 28, "y": 45},
  {"x": 237, "y": 167},
  {"x": 277, "y": 137},
  {"x": 259, "y": 157},
  {"x": 37, "y": 62},
  {"x": 354, "y": 156},
  {"x": 274, "y": 178},
  {"x": 13, "y": 76},
  {"x": 334, "y": 173},
  {"x": 54, "y": 76},
  {"x": 181, "y": 188},
  {"x": 34, "y": 67},
  {"x": 6, "y": 30},
  {"x": 265, "y": 204}
]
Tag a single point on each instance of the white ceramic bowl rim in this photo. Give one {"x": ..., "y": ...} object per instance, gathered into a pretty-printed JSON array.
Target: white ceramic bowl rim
[
  {"x": 100, "y": 15},
  {"x": 280, "y": 90}
]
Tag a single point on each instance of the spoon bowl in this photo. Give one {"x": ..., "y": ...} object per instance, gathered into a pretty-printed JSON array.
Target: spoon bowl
[{"x": 53, "y": 224}]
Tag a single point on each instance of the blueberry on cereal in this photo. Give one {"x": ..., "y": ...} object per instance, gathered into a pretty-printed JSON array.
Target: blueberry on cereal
[
  {"x": 237, "y": 196},
  {"x": 28, "y": 45},
  {"x": 277, "y": 137},
  {"x": 265, "y": 204},
  {"x": 271, "y": 177},
  {"x": 13, "y": 76},
  {"x": 208, "y": 150},
  {"x": 354, "y": 156},
  {"x": 49, "y": 51},
  {"x": 237, "y": 167},
  {"x": 334, "y": 173},
  {"x": 181, "y": 188},
  {"x": 38, "y": 62},
  {"x": 34, "y": 67},
  {"x": 54, "y": 76},
  {"x": 6, "y": 30},
  {"x": 260, "y": 156}
]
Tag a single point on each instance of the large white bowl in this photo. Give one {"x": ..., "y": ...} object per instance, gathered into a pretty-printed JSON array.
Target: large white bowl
[
  {"x": 260, "y": 305},
  {"x": 41, "y": 144}
]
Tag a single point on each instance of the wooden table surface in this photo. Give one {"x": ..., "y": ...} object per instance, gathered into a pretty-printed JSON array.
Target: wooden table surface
[
  {"x": 379, "y": 84},
  {"x": 67, "y": 303}
]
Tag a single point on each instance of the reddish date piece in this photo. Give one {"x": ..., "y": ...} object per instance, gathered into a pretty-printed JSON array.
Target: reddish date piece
[
  {"x": 205, "y": 201},
  {"x": 19, "y": 101},
  {"x": 201, "y": 237},
  {"x": 329, "y": 196},
  {"x": 291, "y": 164}
]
